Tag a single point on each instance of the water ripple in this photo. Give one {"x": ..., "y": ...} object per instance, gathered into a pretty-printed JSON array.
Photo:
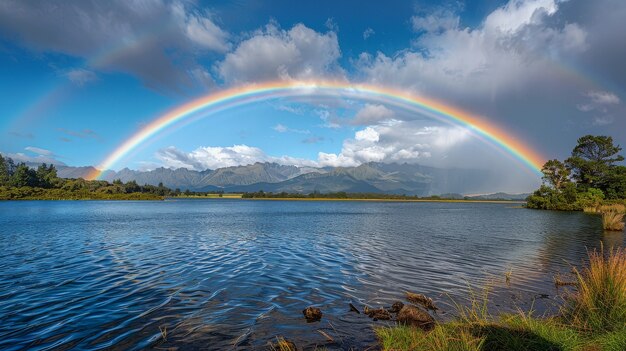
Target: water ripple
[{"x": 221, "y": 274}]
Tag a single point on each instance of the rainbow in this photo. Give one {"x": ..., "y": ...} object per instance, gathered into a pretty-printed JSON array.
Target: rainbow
[{"x": 237, "y": 96}]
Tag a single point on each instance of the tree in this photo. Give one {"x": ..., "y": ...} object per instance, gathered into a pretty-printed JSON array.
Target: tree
[
  {"x": 556, "y": 174},
  {"x": 614, "y": 183},
  {"x": 24, "y": 176},
  {"x": 4, "y": 171},
  {"x": 592, "y": 159}
]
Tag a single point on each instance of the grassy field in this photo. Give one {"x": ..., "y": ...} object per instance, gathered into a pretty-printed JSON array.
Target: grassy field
[{"x": 592, "y": 318}]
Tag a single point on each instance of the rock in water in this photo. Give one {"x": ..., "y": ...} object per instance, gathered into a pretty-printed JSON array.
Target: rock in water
[
  {"x": 420, "y": 299},
  {"x": 396, "y": 307},
  {"x": 312, "y": 314},
  {"x": 415, "y": 316},
  {"x": 377, "y": 314}
]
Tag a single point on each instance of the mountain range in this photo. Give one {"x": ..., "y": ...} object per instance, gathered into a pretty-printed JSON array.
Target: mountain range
[{"x": 373, "y": 177}]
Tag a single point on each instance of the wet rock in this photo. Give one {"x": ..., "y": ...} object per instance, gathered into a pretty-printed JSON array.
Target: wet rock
[
  {"x": 377, "y": 314},
  {"x": 354, "y": 309},
  {"x": 396, "y": 307},
  {"x": 415, "y": 316},
  {"x": 312, "y": 314},
  {"x": 283, "y": 344},
  {"x": 421, "y": 299}
]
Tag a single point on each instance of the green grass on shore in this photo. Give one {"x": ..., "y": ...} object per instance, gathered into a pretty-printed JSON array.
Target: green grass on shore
[{"x": 593, "y": 318}]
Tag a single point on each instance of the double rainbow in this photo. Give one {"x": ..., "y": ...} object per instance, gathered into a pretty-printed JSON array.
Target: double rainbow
[{"x": 238, "y": 96}]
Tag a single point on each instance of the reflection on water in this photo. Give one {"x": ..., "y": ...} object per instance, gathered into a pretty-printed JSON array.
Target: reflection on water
[{"x": 232, "y": 273}]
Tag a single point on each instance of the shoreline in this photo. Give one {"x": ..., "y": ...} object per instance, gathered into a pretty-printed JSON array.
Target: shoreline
[{"x": 388, "y": 200}]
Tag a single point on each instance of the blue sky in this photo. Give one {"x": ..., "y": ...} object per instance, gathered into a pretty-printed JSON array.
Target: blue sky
[{"x": 79, "y": 77}]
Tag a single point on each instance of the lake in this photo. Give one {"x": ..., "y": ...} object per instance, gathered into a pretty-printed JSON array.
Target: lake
[{"x": 224, "y": 274}]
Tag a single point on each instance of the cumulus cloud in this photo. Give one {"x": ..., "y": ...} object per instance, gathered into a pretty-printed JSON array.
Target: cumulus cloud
[
  {"x": 401, "y": 142},
  {"x": 372, "y": 114},
  {"x": 212, "y": 157},
  {"x": 274, "y": 53},
  {"x": 507, "y": 50},
  {"x": 119, "y": 35},
  {"x": 368, "y": 33}
]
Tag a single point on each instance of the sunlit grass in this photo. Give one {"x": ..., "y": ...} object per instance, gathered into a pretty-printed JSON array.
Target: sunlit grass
[
  {"x": 612, "y": 216},
  {"x": 599, "y": 304},
  {"x": 592, "y": 318}
]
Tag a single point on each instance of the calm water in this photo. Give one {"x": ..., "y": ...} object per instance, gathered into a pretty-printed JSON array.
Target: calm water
[{"x": 223, "y": 274}]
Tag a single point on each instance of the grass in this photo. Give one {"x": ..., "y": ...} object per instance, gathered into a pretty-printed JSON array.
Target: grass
[
  {"x": 593, "y": 318},
  {"x": 612, "y": 217},
  {"x": 441, "y": 338},
  {"x": 599, "y": 304}
]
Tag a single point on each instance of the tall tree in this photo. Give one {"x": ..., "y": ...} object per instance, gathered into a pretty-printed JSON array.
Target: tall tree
[
  {"x": 556, "y": 174},
  {"x": 24, "y": 176},
  {"x": 592, "y": 159},
  {"x": 4, "y": 171}
]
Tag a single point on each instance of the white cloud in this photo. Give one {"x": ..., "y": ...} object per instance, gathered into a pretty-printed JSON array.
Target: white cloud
[
  {"x": 40, "y": 156},
  {"x": 603, "y": 97},
  {"x": 372, "y": 114},
  {"x": 511, "y": 49},
  {"x": 368, "y": 33},
  {"x": 37, "y": 159},
  {"x": 439, "y": 20},
  {"x": 274, "y": 53},
  {"x": 402, "y": 142},
  {"x": 516, "y": 14},
  {"x": 80, "y": 76},
  {"x": 39, "y": 151},
  {"x": 368, "y": 134},
  {"x": 205, "y": 33},
  {"x": 603, "y": 120},
  {"x": 603, "y": 105},
  {"x": 280, "y": 128},
  {"x": 212, "y": 157},
  {"x": 284, "y": 129}
]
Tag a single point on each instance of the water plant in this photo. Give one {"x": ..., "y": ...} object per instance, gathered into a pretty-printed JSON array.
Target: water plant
[{"x": 612, "y": 216}]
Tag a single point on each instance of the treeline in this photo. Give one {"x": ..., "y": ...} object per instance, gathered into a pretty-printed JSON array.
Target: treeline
[
  {"x": 589, "y": 177},
  {"x": 19, "y": 181}
]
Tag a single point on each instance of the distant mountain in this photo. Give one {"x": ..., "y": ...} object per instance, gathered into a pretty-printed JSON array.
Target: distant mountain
[
  {"x": 392, "y": 178},
  {"x": 500, "y": 196},
  {"x": 378, "y": 178}
]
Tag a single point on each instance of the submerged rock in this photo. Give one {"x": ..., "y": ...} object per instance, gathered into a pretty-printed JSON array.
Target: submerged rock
[
  {"x": 415, "y": 316},
  {"x": 312, "y": 314},
  {"x": 396, "y": 307},
  {"x": 421, "y": 299}
]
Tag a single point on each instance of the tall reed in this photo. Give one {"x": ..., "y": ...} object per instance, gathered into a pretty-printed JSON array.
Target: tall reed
[
  {"x": 599, "y": 304},
  {"x": 612, "y": 217}
]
